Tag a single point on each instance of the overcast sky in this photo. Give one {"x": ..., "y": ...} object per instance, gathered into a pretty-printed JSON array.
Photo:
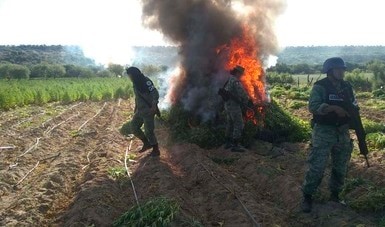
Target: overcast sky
[{"x": 106, "y": 29}]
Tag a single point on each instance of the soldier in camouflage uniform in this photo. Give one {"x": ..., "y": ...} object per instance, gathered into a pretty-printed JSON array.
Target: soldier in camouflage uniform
[
  {"x": 330, "y": 135},
  {"x": 146, "y": 101},
  {"x": 234, "y": 120}
]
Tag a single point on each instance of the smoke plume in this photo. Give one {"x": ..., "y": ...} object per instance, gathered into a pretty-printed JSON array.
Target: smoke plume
[{"x": 199, "y": 28}]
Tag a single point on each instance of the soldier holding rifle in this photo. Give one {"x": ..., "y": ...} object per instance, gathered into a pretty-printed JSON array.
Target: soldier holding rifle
[{"x": 331, "y": 109}]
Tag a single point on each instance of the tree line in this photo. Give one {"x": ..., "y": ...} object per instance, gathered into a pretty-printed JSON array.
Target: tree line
[
  {"x": 315, "y": 55},
  {"x": 356, "y": 74},
  {"x": 46, "y": 70}
]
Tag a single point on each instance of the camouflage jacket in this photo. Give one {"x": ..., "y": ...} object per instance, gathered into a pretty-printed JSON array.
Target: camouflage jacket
[
  {"x": 144, "y": 100},
  {"x": 235, "y": 87}
]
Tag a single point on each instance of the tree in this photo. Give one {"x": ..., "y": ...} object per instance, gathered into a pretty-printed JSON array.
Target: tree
[
  {"x": 105, "y": 73},
  {"x": 358, "y": 80},
  {"x": 56, "y": 71},
  {"x": 78, "y": 71},
  {"x": 40, "y": 71},
  {"x": 378, "y": 69},
  {"x": 301, "y": 69},
  {"x": 152, "y": 70},
  {"x": 280, "y": 68},
  {"x": 19, "y": 72},
  {"x": 116, "y": 69},
  {"x": 14, "y": 71}
]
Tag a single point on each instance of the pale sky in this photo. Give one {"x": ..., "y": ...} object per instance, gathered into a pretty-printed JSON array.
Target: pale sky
[{"x": 106, "y": 29}]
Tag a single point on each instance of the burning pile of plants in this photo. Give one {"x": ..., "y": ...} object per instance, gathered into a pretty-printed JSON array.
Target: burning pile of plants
[{"x": 275, "y": 125}]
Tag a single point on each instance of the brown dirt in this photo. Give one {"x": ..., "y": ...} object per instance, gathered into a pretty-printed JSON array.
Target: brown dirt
[{"x": 63, "y": 180}]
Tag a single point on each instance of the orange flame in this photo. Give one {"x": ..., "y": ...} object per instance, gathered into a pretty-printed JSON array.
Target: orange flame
[{"x": 243, "y": 51}]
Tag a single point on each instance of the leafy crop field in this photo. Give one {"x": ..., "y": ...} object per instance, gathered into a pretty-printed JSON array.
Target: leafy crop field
[
  {"x": 66, "y": 164},
  {"x": 17, "y": 93}
]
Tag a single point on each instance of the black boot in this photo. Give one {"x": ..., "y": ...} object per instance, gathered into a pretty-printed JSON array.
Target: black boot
[
  {"x": 237, "y": 146},
  {"x": 155, "y": 151},
  {"x": 146, "y": 144},
  {"x": 145, "y": 147},
  {"x": 306, "y": 203},
  {"x": 229, "y": 143},
  {"x": 335, "y": 197}
]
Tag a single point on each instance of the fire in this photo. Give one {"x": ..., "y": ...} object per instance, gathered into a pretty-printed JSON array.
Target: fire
[{"x": 243, "y": 50}]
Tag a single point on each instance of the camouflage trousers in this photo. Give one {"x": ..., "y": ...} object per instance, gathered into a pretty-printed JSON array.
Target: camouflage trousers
[
  {"x": 328, "y": 141},
  {"x": 234, "y": 122},
  {"x": 146, "y": 119}
]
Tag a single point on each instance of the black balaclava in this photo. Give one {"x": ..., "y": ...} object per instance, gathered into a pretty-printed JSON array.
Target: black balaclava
[{"x": 138, "y": 79}]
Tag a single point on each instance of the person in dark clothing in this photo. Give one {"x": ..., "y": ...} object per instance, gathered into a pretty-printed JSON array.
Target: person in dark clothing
[
  {"x": 330, "y": 135},
  {"x": 146, "y": 105}
]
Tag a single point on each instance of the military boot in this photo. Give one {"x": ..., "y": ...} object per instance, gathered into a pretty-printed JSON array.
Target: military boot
[
  {"x": 335, "y": 197},
  {"x": 146, "y": 144},
  {"x": 229, "y": 143},
  {"x": 306, "y": 203},
  {"x": 155, "y": 151},
  {"x": 237, "y": 146}
]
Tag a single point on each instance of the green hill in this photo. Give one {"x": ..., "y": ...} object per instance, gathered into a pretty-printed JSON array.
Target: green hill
[
  {"x": 36, "y": 54},
  {"x": 317, "y": 54}
]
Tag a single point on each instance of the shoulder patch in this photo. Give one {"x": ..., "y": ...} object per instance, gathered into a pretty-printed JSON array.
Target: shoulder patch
[{"x": 150, "y": 86}]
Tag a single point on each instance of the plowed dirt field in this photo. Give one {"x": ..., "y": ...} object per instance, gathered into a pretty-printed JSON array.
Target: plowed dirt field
[{"x": 56, "y": 161}]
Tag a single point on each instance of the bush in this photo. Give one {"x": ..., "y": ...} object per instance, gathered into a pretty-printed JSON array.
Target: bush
[
  {"x": 379, "y": 93},
  {"x": 274, "y": 78},
  {"x": 14, "y": 71},
  {"x": 358, "y": 80}
]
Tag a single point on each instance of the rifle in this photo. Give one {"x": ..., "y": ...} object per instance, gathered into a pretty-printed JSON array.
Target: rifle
[{"x": 356, "y": 123}]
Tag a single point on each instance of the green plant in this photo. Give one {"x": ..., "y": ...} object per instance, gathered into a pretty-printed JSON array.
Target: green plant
[
  {"x": 364, "y": 95},
  {"x": 376, "y": 140},
  {"x": 350, "y": 184},
  {"x": 117, "y": 172},
  {"x": 25, "y": 92},
  {"x": 379, "y": 93},
  {"x": 155, "y": 212},
  {"x": 358, "y": 80},
  {"x": 191, "y": 222},
  {"x": 226, "y": 161},
  {"x": 372, "y": 126},
  {"x": 74, "y": 133},
  {"x": 372, "y": 200},
  {"x": 300, "y": 93},
  {"x": 295, "y": 104},
  {"x": 376, "y": 104},
  {"x": 278, "y": 91},
  {"x": 279, "y": 125}
]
